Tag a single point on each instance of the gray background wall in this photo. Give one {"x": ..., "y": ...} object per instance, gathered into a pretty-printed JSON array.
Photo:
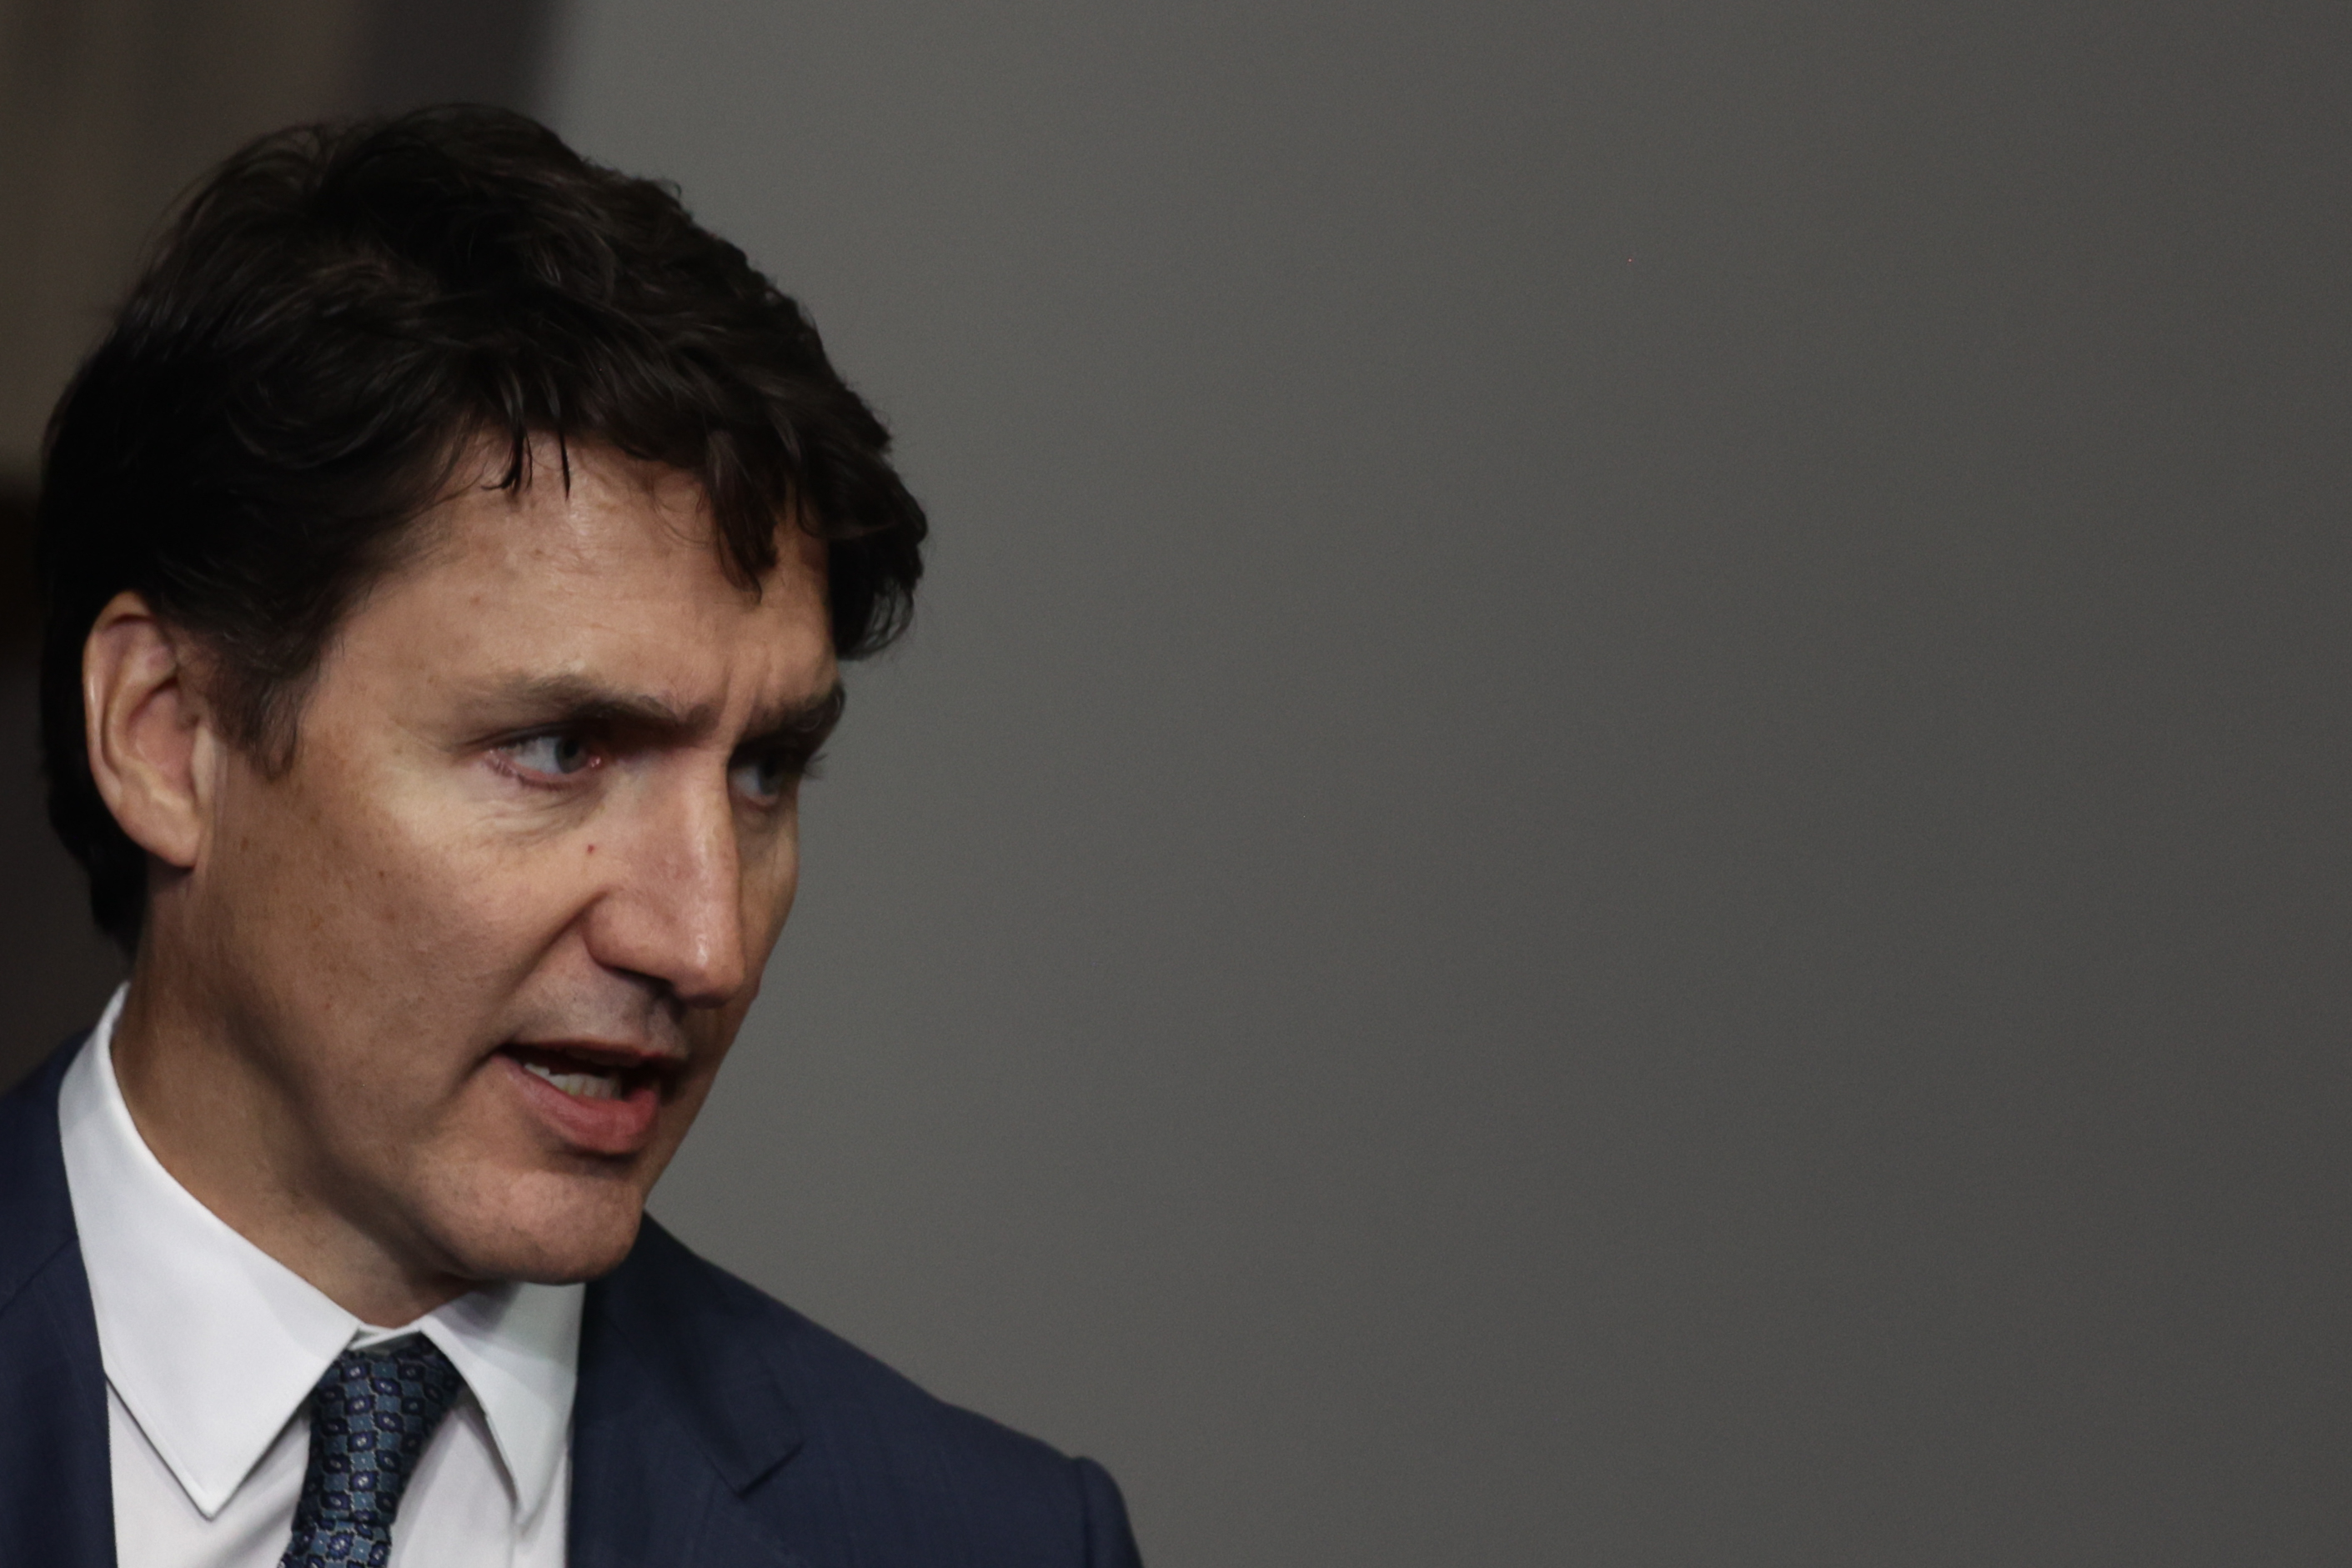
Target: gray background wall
[
  {"x": 1618, "y": 831},
  {"x": 1618, "y": 835}
]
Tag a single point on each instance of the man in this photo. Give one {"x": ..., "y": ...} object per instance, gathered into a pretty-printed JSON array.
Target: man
[{"x": 448, "y": 556}]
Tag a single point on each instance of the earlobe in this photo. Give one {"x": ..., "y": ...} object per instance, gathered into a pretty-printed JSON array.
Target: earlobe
[{"x": 152, "y": 743}]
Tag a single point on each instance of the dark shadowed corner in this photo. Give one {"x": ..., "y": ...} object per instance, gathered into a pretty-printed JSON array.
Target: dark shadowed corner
[{"x": 53, "y": 962}]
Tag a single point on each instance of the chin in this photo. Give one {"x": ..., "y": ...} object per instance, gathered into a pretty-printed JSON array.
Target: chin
[{"x": 548, "y": 1230}]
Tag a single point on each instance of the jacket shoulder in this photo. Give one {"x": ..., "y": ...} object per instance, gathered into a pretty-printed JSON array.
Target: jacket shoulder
[
  {"x": 36, "y": 1211},
  {"x": 827, "y": 1443},
  {"x": 55, "y": 1501}
]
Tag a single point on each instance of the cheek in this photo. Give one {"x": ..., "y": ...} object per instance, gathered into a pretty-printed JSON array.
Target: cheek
[
  {"x": 388, "y": 904},
  {"x": 769, "y": 885}
]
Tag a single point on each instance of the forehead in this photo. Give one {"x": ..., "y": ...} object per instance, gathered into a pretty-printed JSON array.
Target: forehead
[{"x": 600, "y": 567}]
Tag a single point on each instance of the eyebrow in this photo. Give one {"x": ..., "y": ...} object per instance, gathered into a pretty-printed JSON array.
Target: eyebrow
[{"x": 541, "y": 701}]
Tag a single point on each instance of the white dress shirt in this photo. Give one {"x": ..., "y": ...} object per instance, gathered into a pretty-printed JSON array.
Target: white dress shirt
[{"x": 212, "y": 1347}]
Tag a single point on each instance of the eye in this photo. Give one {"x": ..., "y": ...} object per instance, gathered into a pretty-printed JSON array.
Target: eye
[
  {"x": 763, "y": 779},
  {"x": 560, "y": 754}
]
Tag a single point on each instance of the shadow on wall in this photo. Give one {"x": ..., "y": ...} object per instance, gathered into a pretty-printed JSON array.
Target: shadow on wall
[{"x": 108, "y": 108}]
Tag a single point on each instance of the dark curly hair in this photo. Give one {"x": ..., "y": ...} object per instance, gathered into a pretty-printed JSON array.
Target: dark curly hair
[{"x": 337, "y": 320}]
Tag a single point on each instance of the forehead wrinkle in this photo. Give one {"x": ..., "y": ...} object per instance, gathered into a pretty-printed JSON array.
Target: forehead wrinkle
[{"x": 579, "y": 696}]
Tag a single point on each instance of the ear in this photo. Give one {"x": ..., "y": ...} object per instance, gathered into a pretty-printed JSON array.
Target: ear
[{"x": 154, "y": 749}]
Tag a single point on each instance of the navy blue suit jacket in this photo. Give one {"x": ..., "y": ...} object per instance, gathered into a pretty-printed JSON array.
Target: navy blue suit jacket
[{"x": 715, "y": 1427}]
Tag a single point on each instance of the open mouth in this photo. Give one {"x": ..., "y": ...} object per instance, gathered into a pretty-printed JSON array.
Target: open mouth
[
  {"x": 596, "y": 1098},
  {"x": 602, "y": 1086},
  {"x": 583, "y": 1075}
]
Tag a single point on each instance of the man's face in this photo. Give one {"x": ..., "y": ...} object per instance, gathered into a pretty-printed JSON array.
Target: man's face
[{"x": 489, "y": 936}]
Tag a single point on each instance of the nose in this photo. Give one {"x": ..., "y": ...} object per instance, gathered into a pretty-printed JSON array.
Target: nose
[{"x": 672, "y": 907}]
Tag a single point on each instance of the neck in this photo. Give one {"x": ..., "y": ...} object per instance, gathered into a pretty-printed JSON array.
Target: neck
[{"x": 233, "y": 1137}]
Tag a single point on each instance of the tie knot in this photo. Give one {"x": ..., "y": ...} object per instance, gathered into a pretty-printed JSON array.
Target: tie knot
[{"x": 371, "y": 1416}]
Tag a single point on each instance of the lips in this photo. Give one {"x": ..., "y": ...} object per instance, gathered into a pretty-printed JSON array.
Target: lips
[
  {"x": 579, "y": 1085},
  {"x": 601, "y": 1100}
]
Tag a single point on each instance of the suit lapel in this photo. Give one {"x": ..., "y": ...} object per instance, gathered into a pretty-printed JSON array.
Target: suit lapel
[
  {"x": 57, "y": 1493},
  {"x": 678, "y": 1418}
]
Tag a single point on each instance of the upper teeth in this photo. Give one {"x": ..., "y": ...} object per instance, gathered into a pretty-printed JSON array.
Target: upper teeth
[{"x": 586, "y": 1085}]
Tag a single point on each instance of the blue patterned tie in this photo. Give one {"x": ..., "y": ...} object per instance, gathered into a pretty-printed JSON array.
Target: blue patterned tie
[{"x": 371, "y": 1417}]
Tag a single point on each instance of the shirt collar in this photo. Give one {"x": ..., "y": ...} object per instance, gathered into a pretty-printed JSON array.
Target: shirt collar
[{"x": 213, "y": 1344}]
